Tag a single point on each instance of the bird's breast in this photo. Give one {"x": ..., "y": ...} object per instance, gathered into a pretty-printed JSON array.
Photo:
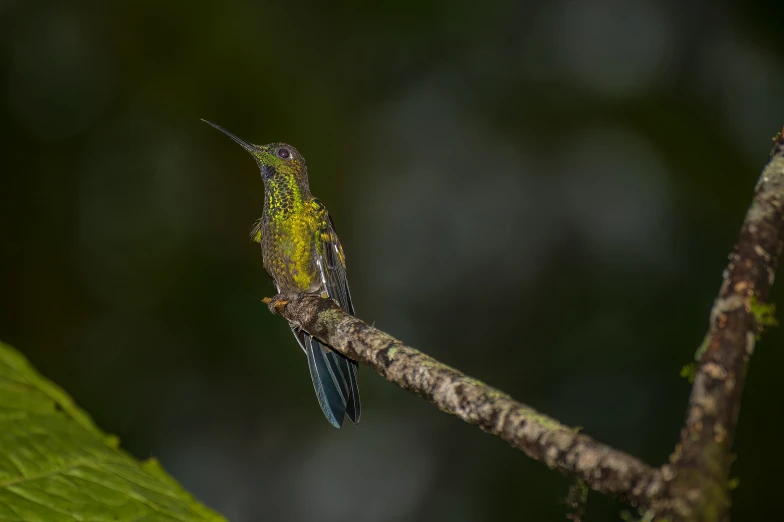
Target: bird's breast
[{"x": 288, "y": 250}]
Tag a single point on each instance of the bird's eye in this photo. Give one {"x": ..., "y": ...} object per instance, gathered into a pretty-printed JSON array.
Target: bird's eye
[{"x": 284, "y": 153}]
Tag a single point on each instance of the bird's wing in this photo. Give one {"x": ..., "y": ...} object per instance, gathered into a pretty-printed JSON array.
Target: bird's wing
[
  {"x": 330, "y": 259},
  {"x": 255, "y": 231},
  {"x": 343, "y": 371},
  {"x": 255, "y": 236}
]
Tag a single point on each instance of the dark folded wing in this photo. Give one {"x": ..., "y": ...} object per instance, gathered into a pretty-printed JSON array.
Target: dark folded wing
[{"x": 332, "y": 261}]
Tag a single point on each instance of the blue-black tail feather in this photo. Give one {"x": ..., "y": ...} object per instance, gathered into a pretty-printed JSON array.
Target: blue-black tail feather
[
  {"x": 352, "y": 407},
  {"x": 334, "y": 380},
  {"x": 337, "y": 371}
]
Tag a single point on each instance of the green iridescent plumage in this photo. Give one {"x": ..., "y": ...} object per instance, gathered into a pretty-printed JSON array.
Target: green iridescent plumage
[{"x": 302, "y": 253}]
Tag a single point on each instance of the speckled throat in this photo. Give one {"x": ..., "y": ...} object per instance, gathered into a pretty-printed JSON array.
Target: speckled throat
[{"x": 288, "y": 233}]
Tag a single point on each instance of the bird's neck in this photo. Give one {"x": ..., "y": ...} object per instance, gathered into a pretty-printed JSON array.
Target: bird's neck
[{"x": 285, "y": 196}]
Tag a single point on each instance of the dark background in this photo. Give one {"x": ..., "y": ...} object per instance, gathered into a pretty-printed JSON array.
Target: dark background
[{"x": 542, "y": 194}]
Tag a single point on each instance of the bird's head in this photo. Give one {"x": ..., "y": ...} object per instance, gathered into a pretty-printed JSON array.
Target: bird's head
[{"x": 277, "y": 161}]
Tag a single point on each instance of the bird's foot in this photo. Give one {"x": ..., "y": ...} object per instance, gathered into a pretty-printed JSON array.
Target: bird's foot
[
  {"x": 278, "y": 303},
  {"x": 275, "y": 304}
]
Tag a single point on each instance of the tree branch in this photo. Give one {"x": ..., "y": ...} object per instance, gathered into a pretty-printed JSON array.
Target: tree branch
[
  {"x": 701, "y": 462},
  {"x": 559, "y": 447},
  {"x": 694, "y": 485}
]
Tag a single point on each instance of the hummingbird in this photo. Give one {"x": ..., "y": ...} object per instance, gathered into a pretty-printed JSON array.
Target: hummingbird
[{"x": 302, "y": 254}]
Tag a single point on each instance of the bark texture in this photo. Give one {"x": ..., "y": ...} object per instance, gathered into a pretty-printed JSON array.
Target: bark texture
[
  {"x": 693, "y": 486},
  {"x": 562, "y": 448},
  {"x": 698, "y": 490}
]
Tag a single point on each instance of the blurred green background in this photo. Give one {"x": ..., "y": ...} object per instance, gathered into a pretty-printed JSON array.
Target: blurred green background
[{"x": 542, "y": 194}]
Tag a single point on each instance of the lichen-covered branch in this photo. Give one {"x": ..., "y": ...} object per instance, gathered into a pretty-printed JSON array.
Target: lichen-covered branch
[
  {"x": 698, "y": 474},
  {"x": 562, "y": 448},
  {"x": 693, "y": 486}
]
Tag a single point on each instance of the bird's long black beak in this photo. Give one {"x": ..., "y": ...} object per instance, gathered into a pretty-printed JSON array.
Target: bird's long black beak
[{"x": 244, "y": 144}]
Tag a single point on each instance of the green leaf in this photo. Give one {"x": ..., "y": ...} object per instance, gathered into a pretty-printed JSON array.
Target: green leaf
[{"x": 57, "y": 465}]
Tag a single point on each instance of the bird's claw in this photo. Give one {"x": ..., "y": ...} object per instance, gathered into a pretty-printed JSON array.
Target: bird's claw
[{"x": 275, "y": 304}]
